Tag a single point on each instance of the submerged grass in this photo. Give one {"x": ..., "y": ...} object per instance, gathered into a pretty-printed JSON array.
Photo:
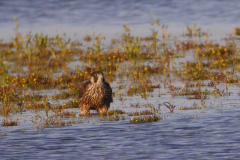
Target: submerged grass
[
  {"x": 146, "y": 112},
  {"x": 152, "y": 118},
  {"x": 9, "y": 123},
  {"x": 112, "y": 112}
]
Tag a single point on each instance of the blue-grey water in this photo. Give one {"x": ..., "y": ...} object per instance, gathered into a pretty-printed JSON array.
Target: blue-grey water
[
  {"x": 181, "y": 135},
  {"x": 107, "y": 17},
  {"x": 107, "y": 12},
  {"x": 212, "y": 136}
]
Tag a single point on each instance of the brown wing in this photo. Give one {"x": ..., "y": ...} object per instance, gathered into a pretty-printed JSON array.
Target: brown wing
[
  {"x": 83, "y": 88},
  {"x": 109, "y": 90}
]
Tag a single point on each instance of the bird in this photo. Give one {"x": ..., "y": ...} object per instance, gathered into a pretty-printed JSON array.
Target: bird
[{"x": 95, "y": 94}]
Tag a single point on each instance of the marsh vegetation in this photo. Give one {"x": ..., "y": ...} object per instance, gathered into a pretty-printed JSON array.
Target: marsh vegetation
[{"x": 145, "y": 67}]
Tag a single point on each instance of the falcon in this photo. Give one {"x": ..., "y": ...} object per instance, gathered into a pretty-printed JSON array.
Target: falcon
[{"x": 95, "y": 94}]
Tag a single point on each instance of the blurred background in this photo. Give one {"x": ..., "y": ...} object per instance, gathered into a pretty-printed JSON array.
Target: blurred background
[{"x": 106, "y": 17}]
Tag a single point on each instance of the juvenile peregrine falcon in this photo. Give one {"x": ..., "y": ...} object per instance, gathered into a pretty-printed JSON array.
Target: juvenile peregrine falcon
[{"x": 95, "y": 94}]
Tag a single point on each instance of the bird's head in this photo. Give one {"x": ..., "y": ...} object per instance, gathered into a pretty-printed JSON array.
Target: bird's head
[{"x": 97, "y": 77}]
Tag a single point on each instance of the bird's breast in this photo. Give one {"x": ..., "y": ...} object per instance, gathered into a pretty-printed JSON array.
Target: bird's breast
[
  {"x": 96, "y": 92},
  {"x": 97, "y": 95},
  {"x": 94, "y": 95}
]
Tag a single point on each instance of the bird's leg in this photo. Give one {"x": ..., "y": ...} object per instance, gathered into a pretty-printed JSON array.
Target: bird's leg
[
  {"x": 85, "y": 110},
  {"x": 104, "y": 108}
]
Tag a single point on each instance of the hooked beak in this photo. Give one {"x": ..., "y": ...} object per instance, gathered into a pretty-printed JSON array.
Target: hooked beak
[{"x": 101, "y": 76}]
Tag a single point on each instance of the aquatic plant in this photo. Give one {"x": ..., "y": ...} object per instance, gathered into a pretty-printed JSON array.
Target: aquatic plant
[
  {"x": 9, "y": 123},
  {"x": 169, "y": 106},
  {"x": 194, "y": 31},
  {"x": 144, "y": 66},
  {"x": 152, "y": 118},
  {"x": 111, "y": 118},
  {"x": 112, "y": 112},
  {"x": 146, "y": 112}
]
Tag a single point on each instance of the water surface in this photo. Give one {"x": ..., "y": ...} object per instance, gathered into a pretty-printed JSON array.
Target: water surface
[{"x": 181, "y": 135}]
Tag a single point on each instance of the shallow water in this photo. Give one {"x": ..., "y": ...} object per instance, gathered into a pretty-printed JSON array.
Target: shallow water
[
  {"x": 184, "y": 134},
  {"x": 214, "y": 135}
]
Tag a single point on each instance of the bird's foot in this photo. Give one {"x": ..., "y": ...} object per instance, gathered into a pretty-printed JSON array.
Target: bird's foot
[
  {"x": 85, "y": 113},
  {"x": 103, "y": 111}
]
